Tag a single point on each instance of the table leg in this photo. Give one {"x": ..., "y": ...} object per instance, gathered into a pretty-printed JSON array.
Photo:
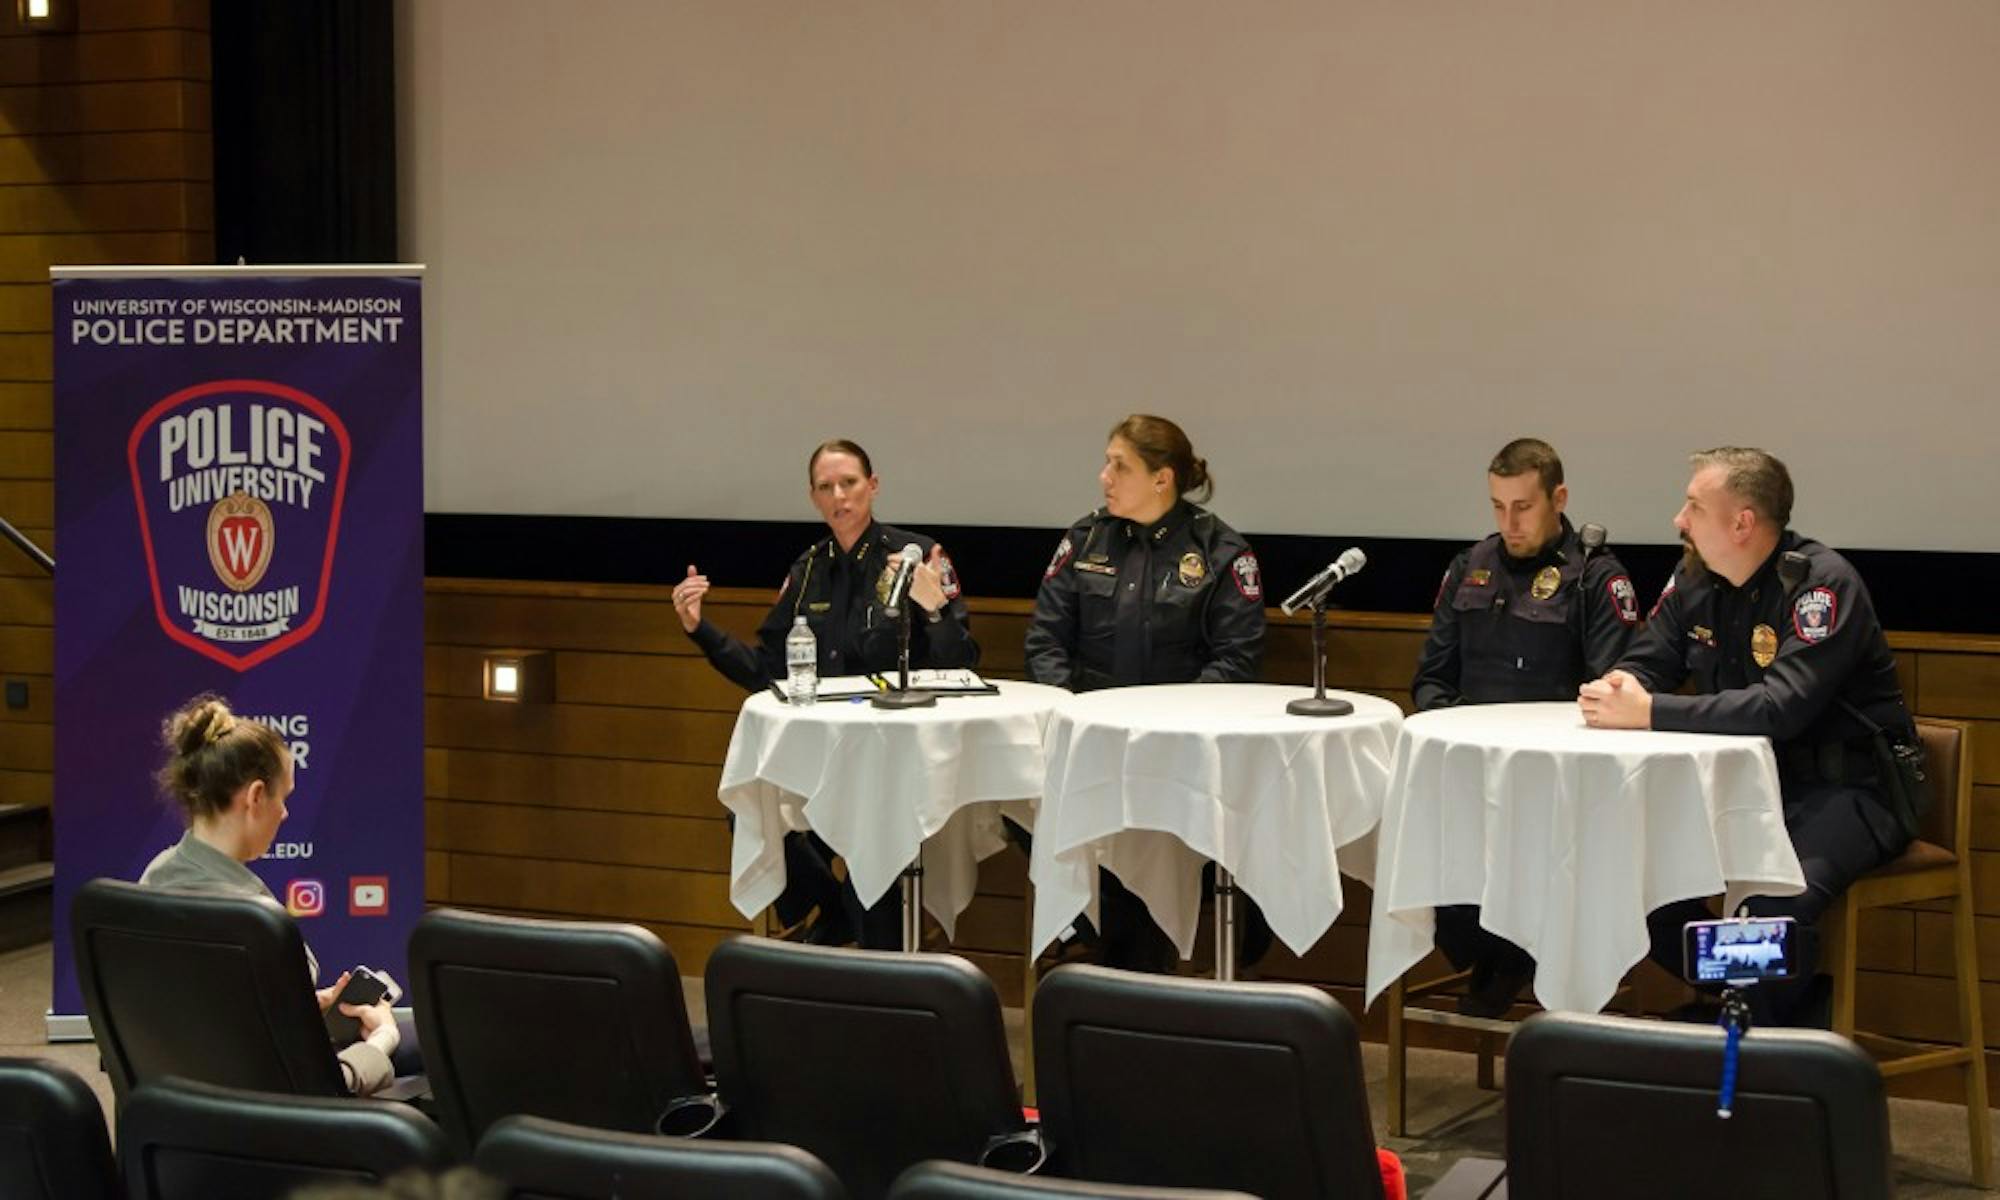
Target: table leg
[
  {"x": 913, "y": 903},
  {"x": 1225, "y": 924}
]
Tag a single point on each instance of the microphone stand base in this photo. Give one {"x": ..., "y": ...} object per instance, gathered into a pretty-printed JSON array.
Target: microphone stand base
[
  {"x": 1319, "y": 706},
  {"x": 911, "y": 699}
]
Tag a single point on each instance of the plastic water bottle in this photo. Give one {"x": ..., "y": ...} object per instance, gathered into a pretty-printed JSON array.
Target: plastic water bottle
[{"x": 801, "y": 663}]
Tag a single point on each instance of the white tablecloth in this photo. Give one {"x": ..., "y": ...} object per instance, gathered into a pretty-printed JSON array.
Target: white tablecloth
[
  {"x": 1152, "y": 781},
  {"x": 1566, "y": 837},
  {"x": 877, "y": 784}
]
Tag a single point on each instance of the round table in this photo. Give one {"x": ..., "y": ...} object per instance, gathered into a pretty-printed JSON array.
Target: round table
[
  {"x": 1151, "y": 782},
  {"x": 1566, "y": 837},
  {"x": 881, "y": 785}
]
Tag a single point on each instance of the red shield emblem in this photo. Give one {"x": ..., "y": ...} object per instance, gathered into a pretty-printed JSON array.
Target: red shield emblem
[{"x": 239, "y": 485}]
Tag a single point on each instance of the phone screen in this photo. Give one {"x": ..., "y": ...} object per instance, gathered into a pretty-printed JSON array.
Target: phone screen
[{"x": 1740, "y": 951}]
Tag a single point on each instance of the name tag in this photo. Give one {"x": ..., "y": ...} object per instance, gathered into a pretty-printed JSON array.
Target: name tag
[{"x": 1097, "y": 568}]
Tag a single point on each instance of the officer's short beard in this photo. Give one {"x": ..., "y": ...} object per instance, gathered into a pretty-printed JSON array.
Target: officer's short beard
[{"x": 1691, "y": 562}]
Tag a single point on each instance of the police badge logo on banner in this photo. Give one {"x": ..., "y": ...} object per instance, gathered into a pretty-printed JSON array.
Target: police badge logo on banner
[{"x": 239, "y": 485}]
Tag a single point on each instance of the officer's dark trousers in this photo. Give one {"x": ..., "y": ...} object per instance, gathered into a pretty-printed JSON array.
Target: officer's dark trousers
[
  {"x": 1836, "y": 844},
  {"x": 810, "y": 883},
  {"x": 1469, "y": 944}
]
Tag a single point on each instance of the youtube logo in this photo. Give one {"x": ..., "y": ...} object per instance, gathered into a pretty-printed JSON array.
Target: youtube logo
[{"x": 368, "y": 896}]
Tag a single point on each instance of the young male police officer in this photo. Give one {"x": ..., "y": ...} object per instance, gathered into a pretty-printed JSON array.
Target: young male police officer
[
  {"x": 1780, "y": 636},
  {"x": 1526, "y": 614}
]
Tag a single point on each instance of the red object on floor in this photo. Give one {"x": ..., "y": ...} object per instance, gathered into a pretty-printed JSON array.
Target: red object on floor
[{"x": 1394, "y": 1186}]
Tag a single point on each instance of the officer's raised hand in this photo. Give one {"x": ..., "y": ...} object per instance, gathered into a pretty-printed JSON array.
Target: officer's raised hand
[
  {"x": 927, "y": 585},
  {"x": 687, "y": 598},
  {"x": 1617, "y": 701}
]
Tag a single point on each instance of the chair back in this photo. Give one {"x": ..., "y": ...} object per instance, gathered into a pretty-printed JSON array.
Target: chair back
[
  {"x": 1145, "y": 1079},
  {"x": 1948, "y": 772},
  {"x": 1602, "y": 1105},
  {"x": 179, "y": 1140},
  {"x": 53, "y": 1145},
  {"x": 486, "y": 988},
  {"x": 539, "y": 1159},
  {"x": 200, "y": 986},
  {"x": 872, "y": 1061},
  {"x": 956, "y": 1181}
]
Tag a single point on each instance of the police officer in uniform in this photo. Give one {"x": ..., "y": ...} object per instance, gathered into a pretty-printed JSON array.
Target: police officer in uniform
[
  {"x": 1526, "y": 614},
  {"x": 839, "y": 586},
  {"x": 1780, "y": 637},
  {"x": 1151, "y": 588}
]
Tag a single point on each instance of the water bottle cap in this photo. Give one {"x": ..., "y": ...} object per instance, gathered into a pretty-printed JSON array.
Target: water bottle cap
[{"x": 798, "y": 621}]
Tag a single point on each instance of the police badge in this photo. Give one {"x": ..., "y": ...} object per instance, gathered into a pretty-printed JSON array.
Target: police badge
[
  {"x": 1547, "y": 580},
  {"x": 1192, "y": 570},
  {"x": 1764, "y": 645}
]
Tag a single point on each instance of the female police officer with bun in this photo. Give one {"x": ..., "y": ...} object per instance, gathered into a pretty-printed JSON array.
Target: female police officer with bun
[
  {"x": 839, "y": 585},
  {"x": 1151, "y": 588}
]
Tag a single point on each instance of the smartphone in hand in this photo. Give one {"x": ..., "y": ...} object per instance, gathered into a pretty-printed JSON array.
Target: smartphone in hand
[{"x": 363, "y": 987}]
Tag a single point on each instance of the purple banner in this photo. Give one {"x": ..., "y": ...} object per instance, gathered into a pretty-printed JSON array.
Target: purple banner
[{"x": 239, "y": 510}]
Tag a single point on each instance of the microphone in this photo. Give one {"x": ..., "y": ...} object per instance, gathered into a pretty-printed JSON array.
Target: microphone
[
  {"x": 1350, "y": 562},
  {"x": 899, "y": 587},
  {"x": 1793, "y": 568}
]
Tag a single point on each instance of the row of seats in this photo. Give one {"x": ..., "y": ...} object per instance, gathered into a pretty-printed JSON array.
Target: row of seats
[
  {"x": 873, "y": 1062},
  {"x": 180, "y": 1140}
]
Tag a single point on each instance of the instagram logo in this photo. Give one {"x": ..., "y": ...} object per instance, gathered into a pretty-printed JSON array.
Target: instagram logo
[{"x": 305, "y": 897}]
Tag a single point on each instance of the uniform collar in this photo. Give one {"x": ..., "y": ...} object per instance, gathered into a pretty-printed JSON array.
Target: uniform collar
[
  {"x": 1159, "y": 530},
  {"x": 1559, "y": 549},
  {"x": 862, "y": 544}
]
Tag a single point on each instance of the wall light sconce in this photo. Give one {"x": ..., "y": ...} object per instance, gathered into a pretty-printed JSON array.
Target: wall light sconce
[
  {"x": 46, "y": 16},
  {"x": 519, "y": 676}
]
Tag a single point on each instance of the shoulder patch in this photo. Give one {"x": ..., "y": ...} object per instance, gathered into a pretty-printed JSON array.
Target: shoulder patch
[
  {"x": 1063, "y": 553},
  {"x": 1245, "y": 575},
  {"x": 1624, "y": 599},
  {"x": 948, "y": 576},
  {"x": 1442, "y": 580},
  {"x": 1813, "y": 614},
  {"x": 1664, "y": 593}
]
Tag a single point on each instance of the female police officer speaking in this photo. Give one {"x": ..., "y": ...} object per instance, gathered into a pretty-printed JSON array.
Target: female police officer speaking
[
  {"x": 839, "y": 586},
  {"x": 1151, "y": 588}
]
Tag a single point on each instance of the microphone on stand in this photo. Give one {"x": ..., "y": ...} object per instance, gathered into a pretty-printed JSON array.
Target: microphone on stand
[
  {"x": 899, "y": 586},
  {"x": 1350, "y": 562},
  {"x": 898, "y": 607}
]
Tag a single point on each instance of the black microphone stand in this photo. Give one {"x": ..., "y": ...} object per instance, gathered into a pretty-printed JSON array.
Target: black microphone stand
[
  {"x": 902, "y": 696},
  {"x": 1319, "y": 704}
]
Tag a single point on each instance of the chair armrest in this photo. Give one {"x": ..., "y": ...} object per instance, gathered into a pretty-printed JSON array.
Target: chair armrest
[{"x": 1472, "y": 1179}]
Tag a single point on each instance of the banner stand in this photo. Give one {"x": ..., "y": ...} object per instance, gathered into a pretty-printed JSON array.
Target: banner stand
[{"x": 239, "y": 503}]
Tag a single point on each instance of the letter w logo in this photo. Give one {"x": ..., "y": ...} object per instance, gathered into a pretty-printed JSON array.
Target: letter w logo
[{"x": 241, "y": 541}]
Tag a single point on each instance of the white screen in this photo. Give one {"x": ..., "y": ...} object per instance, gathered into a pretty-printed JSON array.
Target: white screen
[{"x": 1352, "y": 246}]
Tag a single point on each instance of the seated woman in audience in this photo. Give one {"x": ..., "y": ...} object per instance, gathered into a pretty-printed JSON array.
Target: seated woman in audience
[
  {"x": 230, "y": 776},
  {"x": 1150, "y": 588},
  {"x": 839, "y": 586}
]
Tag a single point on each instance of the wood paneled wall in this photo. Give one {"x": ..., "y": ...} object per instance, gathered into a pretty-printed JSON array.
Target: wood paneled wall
[
  {"x": 104, "y": 158},
  {"x": 603, "y": 803}
]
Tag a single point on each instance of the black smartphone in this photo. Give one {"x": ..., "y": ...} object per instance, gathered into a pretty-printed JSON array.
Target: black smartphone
[
  {"x": 1740, "y": 951},
  {"x": 363, "y": 987}
]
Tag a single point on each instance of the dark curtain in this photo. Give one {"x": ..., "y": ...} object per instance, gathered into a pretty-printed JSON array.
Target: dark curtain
[{"x": 305, "y": 131}]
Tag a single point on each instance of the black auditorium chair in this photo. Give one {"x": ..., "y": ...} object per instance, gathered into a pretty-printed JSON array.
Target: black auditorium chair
[
  {"x": 199, "y": 986},
  {"x": 1612, "y": 1106},
  {"x": 179, "y": 1140},
  {"x": 871, "y": 1060},
  {"x": 956, "y": 1181},
  {"x": 540, "y": 1159},
  {"x": 490, "y": 991},
  {"x": 1149, "y": 1079},
  {"x": 52, "y": 1140}
]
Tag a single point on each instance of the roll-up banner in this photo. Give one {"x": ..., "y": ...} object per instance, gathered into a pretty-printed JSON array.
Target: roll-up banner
[{"x": 239, "y": 510}]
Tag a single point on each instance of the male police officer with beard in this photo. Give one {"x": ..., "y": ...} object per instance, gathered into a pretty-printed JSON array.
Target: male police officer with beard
[
  {"x": 1780, "y": 636},
  {"x": 1527, "y": 614}
]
